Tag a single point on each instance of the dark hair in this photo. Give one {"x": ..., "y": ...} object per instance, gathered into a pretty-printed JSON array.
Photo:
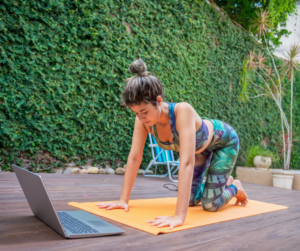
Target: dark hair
[{"x": 143, "y": 87}]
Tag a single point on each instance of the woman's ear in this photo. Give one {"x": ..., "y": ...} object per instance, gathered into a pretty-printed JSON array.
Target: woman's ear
[{"x": 159, "y": 100}]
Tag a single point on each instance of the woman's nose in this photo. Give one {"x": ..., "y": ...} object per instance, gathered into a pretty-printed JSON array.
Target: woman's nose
[{"x": 140, "y": 117}]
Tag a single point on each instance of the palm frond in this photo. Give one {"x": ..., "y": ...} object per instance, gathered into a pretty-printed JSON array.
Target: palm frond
[
  {"x": 246, "y": 76},
  {"x": 261, "y": 60},
  {"x": 291, "y": 61},
  {"x": 262, "y": 22},
  {"x": 251, "y": 62}
]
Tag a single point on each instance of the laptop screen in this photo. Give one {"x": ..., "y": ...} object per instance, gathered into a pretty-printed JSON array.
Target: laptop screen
[{"x": 38, "y": 198}]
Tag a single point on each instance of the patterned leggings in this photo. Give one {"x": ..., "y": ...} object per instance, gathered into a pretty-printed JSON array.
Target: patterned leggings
[{"x": 216, "y": 163}]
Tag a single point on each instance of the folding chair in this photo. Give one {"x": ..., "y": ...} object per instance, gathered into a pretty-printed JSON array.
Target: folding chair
[{"x": 162, "y": 157}]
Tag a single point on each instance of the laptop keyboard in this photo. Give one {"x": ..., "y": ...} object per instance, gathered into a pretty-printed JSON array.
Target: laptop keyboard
[{"x": 74, "y": 225}]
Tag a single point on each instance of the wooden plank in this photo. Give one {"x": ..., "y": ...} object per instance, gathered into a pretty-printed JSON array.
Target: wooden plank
[{"x": 20, "y": 230}]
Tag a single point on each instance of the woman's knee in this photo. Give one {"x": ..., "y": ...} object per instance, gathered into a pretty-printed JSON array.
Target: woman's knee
[
  {"x": 193, "y": 201},
  {"x": 191, "y": 204},
  {"x": 209, "y": 209},
  {"x": 209, "y": 206}
]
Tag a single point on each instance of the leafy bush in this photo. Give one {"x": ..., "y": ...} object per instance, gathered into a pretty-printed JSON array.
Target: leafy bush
[{"x": 259, "y": 150}]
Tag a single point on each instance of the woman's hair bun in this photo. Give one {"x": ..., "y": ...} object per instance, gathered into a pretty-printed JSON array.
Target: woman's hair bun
[
  {"x": 139, "y": 67},
  {"x": 142, "y": 87}
]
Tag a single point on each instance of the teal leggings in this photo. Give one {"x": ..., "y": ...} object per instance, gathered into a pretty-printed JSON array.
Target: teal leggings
[{"x": 216, "y": 163}]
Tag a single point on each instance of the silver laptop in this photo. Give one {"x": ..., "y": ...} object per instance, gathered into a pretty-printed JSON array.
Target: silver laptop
[{"x": 70, "y": 224}]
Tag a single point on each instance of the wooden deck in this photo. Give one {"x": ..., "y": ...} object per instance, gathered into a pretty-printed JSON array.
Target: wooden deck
[{"x": 20, "y": 230}]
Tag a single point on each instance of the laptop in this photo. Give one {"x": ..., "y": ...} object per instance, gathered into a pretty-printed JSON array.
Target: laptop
[{"x": 69, "y": 224}]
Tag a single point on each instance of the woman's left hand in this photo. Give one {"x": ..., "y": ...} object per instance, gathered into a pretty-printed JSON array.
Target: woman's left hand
[{"x": 164, "y": 221}]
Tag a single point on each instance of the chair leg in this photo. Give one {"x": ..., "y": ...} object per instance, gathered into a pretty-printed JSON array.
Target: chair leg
[
  {"x": 153, "y": 175},
  {"x": 170, "y": 172},
  {"x": 150, "y": 164},
  {"x": 176, "y": 169}
]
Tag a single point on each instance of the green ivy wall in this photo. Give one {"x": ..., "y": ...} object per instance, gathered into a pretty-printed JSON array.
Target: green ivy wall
[{"x": 63, "y": 64}]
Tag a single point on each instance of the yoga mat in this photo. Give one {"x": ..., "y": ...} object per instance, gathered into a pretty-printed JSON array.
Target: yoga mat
[{"x": 147, "y": 209}]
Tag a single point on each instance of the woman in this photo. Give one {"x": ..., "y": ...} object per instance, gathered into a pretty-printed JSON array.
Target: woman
[{"x": 207, "y": 147}]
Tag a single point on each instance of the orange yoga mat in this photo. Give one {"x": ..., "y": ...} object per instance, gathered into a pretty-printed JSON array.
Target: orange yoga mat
[{"x": 147, "y": 209}]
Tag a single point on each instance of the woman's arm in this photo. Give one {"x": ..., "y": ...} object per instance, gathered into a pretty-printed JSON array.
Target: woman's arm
[
  {"x": 185, "y": 121},
  {"x": 133, "y": 163},
  {"x": 134, "y": 158}
]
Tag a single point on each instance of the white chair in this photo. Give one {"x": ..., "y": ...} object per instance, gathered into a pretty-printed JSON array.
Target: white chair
[{"x": 162, "y": 157}]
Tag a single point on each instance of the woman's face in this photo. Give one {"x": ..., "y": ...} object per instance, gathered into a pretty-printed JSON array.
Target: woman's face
[{"x": 147, "y": 113}]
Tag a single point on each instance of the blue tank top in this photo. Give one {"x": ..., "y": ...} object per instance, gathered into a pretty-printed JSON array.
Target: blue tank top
[{"x": 201, "y": 134}]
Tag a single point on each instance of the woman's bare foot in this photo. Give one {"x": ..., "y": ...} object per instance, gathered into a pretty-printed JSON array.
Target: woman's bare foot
[
  {"x": 241, "y": 196},
  {"x": 230, "y": 181}
]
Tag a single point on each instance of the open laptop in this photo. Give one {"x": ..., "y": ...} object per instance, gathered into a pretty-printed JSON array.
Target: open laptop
[{"x": 70, "y": 224}]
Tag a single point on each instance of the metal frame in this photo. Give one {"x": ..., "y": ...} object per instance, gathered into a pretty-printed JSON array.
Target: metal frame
[{"x": 171, "y": 164}]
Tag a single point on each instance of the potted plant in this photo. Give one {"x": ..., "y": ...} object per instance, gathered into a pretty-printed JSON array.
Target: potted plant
[
  {"x": 281, "y": 177},
  {"x": 260, "y": 157}
]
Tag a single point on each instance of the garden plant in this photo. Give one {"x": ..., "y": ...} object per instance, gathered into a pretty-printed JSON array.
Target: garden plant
[{"x": 267, "y": 81}]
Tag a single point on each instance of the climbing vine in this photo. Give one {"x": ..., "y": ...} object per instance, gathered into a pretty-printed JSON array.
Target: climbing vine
[{"x": 63, "y": 65}]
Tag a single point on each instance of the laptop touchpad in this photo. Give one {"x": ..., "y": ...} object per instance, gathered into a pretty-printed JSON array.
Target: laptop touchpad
[{"x": 98, "y": 223}]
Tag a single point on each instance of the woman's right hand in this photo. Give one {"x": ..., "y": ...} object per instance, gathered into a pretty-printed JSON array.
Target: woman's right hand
[{"x": 114, "y": 205}]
